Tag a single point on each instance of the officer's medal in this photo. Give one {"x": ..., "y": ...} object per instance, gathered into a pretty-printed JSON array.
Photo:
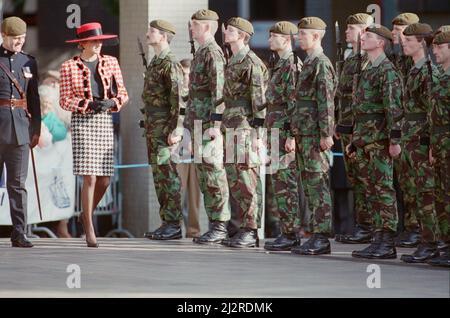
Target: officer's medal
[{"x": 27, "y": 72}]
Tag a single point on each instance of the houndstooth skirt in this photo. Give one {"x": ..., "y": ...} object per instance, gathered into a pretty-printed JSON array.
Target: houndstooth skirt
[{"x": 93, "y": 144}]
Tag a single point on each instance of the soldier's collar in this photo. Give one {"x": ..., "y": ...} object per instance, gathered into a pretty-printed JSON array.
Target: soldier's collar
[
  {"x": 6, "y": 51},
  {"x": 286, "y": 55},
  {"x": 447, "y": 71},
  {"x": 317, "y": 51},
  {"x": 240, "y": 55},
  {"x": 163, "y": 53},
  {"x": 377, "y": 61},
  {"x": 207, "y": 42},
  {"x": 420, "y": 63}
]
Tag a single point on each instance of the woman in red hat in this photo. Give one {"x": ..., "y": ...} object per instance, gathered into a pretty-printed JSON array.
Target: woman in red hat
[{"x": 92, "y": 88}]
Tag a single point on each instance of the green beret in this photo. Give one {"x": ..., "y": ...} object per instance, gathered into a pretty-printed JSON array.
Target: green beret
[
  {"x": 442, "y": 37},
  {"x": 163, "y": 26},
  {"x": 284, "y": 27},
  {"x": 359, "y": 18},
  {"x": 312, "y": 23},
  {"x": 405, "y": 19},
  {"x": 205, "y": 14},
  {"x": 241, "y": 24},
  {"x": 381, "y": 31},
  {"x": 14, "y": 26},
  {"x": 422, "y": 29}
]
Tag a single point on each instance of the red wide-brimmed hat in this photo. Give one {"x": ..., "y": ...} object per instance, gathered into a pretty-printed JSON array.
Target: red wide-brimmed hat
[{"x": 91, "y": 32}]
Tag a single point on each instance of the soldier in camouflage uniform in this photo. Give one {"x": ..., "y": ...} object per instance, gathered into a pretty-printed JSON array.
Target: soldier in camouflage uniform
[
  {"x": 205, "y": 98},
  {"x": 283, "y": 173},
  {"x": 440, "y": 145},
  {"x": 410, "y": 235},
  {"x": 416, "y": 173},
  {"x": 352, "y": 65},
  {"x": 312, "y": 123},
  {"x": 162, "y": 99},
  {"x": 377, "y": 112},
  {"x": 244, "y": 95}
]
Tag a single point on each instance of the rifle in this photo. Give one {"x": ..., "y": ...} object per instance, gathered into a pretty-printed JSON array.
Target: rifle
[
  {"x": 429, "y": 68},
  {"x": 295, "y": 58},
  {"x": 339, "y": 50},
  {"x": 191, "y": 40},
  {"x": 225, "y": 47},
  {"x": 356, "y": 77},
  {"x": 142, "y": 52}
]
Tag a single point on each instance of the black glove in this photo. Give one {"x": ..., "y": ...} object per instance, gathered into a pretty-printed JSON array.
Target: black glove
[{"x": 99, "y": 106}]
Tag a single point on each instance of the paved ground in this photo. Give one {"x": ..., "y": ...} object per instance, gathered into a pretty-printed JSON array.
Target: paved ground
[{"x": 143, "y": 268}]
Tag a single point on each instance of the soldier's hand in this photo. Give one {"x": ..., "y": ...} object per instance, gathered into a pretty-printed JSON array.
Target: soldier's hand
[
  {"x": 430, "y": 157},
  {"x": 350, "y": 151},
  {"x": 172, "y": 139},
  {"x": 34, "y": 141},
  {"x": 394, "y": 150},
  {"x": 326, "y": 143},
  {"x": 289, "y": 146},
  {"x": 336, "y": 134}
]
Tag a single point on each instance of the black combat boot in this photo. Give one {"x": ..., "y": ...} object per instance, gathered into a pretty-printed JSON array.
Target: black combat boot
[
  {"x": 171, "y": 231},
  {"x": 317, "y": 244},
  {"x": 386, "y": 248},
  {"x": 216, "y": 234},
  {"x": 365, "y": 253},
  {"x": 443, "y": 260},
  {"x": 442, "y": 245},
  {"x": 424, "y": 252},
  {"x": 150, "y": 234},
  {"x": 408, "y": 239},
  {"x": 245, "y": 238},
  {"x": 284, "y": 242},
  {"x": 362, "y": 233}
]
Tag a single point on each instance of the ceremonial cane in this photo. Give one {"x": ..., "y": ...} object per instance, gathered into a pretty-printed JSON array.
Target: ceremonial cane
[{"x": 36, "y": 183}]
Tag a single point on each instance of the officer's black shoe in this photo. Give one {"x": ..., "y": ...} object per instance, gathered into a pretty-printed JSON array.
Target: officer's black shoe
[
  {"x": 386, "y": 248},
  {"x": 245, "y": 238},
  {"x": 21, "y": 240},
  {"x": 171, "y": 231},
  {"x": 443, "y": 260},
  {"x": 424, "y": 252},
  {"x": 284, "y": 242},
  {"x": 408, "y": 239},
  {"x": 150, "y": 234},
  {"x": 361, "y": 234},
  {"x": 366, "y": 252},
  {"x": 317, "y": 244},
  {"x": 215, "y": 235}
]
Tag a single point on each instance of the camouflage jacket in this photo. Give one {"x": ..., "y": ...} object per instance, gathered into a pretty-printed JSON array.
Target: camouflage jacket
[
  {"x": 162, "y": 93},
  {"x": 246, "y": 79},
  {"x": 206, "y": 81},
  {"x": 377, "y": 106},
  {"x": 344, "y": 90},
  {"x": 402, "y": 64},
  {"x": 314, "y": 97},
  {"x": 416, "y": 101},
  {"x": 280, "y": 88},
  {"x": 440, "y": 111}
]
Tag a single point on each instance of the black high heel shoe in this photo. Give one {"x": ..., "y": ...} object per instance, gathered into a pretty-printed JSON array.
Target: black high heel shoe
[{"x": 89, "y": 244}]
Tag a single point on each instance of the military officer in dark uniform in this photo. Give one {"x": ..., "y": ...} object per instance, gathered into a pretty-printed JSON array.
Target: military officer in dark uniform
[{"x": 20, "y": 120}]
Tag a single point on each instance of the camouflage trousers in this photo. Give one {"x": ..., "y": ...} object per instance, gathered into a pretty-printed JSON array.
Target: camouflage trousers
[
  {"x": 314, "y": 166},
  {"x": 165, "y": 177},
  {"x": 410, "y": 222},
  {"x": 362, "y": 213},
  {"x": 213, "y": 182},
  {"x": 417, "y": 183},
  {"x": 376, "y": 173},
  {"x": 244, "y": 181},
  {"x": 282, "y": 186},
  {"x": 441, "y": 153}
]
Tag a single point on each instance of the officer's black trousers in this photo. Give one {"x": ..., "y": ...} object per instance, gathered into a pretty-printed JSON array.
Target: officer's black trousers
[{"x": 16, "y": 160}]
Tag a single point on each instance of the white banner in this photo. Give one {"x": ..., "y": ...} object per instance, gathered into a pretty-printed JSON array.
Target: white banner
[{"x": 56, "y": 185}]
